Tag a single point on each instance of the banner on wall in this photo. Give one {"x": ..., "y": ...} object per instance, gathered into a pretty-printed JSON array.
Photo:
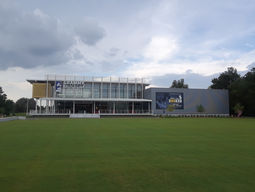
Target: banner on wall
[
  {"x": 163, "y": 99},
  {"x": 58, "y": 86}
]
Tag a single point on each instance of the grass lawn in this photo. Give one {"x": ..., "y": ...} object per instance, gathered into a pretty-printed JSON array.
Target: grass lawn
[{"x": 175, "y": 154}]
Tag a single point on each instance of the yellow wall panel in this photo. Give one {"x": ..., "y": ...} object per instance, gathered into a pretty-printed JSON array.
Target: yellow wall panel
[{"x": 39, "y": 90}]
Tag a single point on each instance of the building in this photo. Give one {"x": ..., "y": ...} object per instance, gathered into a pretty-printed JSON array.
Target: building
[
  {"x": 215, "y": 101},
  {"x": 65, "y": 95},
  {"x": 80, "y": 96}
]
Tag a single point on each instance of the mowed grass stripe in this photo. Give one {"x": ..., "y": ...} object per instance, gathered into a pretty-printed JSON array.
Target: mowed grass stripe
[{"x": 182, "y": 154}]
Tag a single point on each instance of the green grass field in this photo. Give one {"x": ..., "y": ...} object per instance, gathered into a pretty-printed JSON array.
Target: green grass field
[{"x": 125, "y": 154}]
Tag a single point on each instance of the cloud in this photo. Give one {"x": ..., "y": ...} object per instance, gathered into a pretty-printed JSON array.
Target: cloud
[
  {"x": 89, "y": 31},
  {"x": 29, "y": 40},
  {"x": 113, "y": 52},
  {"x": 78, "y": 55}
]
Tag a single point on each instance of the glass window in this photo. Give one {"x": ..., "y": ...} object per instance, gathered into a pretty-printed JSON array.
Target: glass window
[
  {"x": 87, "y": 90},
  {"x": 106, "y": 90},
  {"x": 97, "y": 90},
  {"x": 114, "y": 91}
]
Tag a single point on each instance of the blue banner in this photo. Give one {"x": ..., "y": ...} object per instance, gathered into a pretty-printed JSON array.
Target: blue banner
[
  {"x": 58, "y": 86},
  {"x": 163, "y": 99}
]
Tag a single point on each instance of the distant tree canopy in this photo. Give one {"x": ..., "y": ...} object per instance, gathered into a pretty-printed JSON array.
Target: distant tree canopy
[
  {"x": 225, "y": 79},
  {"x": 179, "y": 84},
  {"x": 21, "y": 105},
  {"x": 6, "y": 105},
  {"x": 241, "y": 89}
]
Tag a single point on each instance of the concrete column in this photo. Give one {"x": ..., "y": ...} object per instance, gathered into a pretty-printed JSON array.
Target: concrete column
[
  {"x": 132, "y": 107},
  {"x": 50, "y": 106},
  {"x": 149, "y": 106},
  {"x": 94, "y": 106},
  {"x": 40, "y": 107},
  {"x": 113, "y": 107},
  {"x": 47, "y": 106},
  {"x": 36, "y": 105},
  {"x": 73, "y": 107}
]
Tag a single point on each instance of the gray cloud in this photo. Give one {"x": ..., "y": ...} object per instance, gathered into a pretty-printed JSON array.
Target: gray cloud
[
  {"x": 107, "y": 66},
  {"x": 113, "y": 52},
  {"x": 89, "y": 63},
  {"x": 89, "y": 31},
  {"x": 77, "y": 55},
  {"x": 29, "y": 40}
]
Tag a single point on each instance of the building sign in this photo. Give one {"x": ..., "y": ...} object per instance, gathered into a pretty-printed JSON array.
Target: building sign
[
  {"x": 163, "y": 99},
  {"x": 74, "y": 84},
  {"x": 58, "y": 86},
  {"x": 70, "y": 87}
]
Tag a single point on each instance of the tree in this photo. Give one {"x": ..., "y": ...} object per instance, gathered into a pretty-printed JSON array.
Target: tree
[
  {"x": 3, "y": 97},
  {"x": 21, "y": 105},
  {"x": 179, "y": 84},
  {"x": 170, "y": 108},
  {"x": 225, "y": 79},
  {"x": 238, "y": 109},
  {"x": 6, "y": 105},
  {"x": 9, "y": 107},
  {"x": 2, "y": 111},
  {"x": 200, "y": 108},
  {"x": 243, "y": 91}
]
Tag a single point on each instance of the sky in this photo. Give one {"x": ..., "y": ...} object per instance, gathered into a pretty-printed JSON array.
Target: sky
[{"x": 159, "y": 40}]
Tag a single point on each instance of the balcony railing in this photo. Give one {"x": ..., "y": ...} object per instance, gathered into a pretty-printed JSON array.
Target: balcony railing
[{"x": 101, "y": 112}]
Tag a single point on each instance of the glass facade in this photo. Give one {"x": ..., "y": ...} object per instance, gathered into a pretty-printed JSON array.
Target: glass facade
[
  {"x": 104, "y": 107},
  {"x": 102, "y": 90},
  {"x": 111, "y": 95}
]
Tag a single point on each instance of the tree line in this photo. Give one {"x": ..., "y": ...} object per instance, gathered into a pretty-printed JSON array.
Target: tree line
[
  {"x": 9, "y": 107},
  {"x": 241, "y": 90}
]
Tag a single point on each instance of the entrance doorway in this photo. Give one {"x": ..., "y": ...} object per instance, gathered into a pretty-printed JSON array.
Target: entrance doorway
[{"x": 83, "y": 108}]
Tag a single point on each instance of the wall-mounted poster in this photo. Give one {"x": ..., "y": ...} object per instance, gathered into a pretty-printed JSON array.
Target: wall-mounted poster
[
  {"x": 58, "y": 86},
  {"x": 163, "y": 99}
]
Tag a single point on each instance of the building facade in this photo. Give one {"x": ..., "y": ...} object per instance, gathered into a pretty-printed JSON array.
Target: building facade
[
  {"x": 90, "y": 95},
  {"x": 69, "y": 95},
  {"x": 215, "y": 101}
]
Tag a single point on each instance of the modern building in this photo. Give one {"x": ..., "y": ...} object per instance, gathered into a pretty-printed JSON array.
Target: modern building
[
  {"x": 80, "y": 96},
  {"x": 90, "y": 95}
]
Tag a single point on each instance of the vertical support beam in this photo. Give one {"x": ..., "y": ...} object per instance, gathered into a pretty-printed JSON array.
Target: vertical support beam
[
  {"x": 47, "y": 89},
  {"x": 40, "y": 110},
  {"x": 50, "y": 106},
  {"x": 54, "y": 93},
  {"x": 110, "y": 88},
  {"x": 94, "y": 105},
  {"x": 92, "y": 94},
  {"x": 36, "y": 106},
  {"x": 127, "y": 87},
  {"x": 135, "y": 89},
  {"x": 149, "y": 106},
  {"x": 54, "y": 107},
  {"x": 114, "y": 107},
  {"x": 142, "y": 89},
  {"x": 64, "y": 88},
  {"x": 83, "y": 88},
  {"x": 101, "y": 90},
  {"x": 132, "y": 107},
  {"x": 119, "y": 87},
  {"x": 47, "y": 106},
  {"x": 73, "y": 107},
  {"x": 74, "y": 90}
]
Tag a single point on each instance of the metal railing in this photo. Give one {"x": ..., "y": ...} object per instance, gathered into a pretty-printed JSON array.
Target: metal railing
[{"x": 102, "y": 112}]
